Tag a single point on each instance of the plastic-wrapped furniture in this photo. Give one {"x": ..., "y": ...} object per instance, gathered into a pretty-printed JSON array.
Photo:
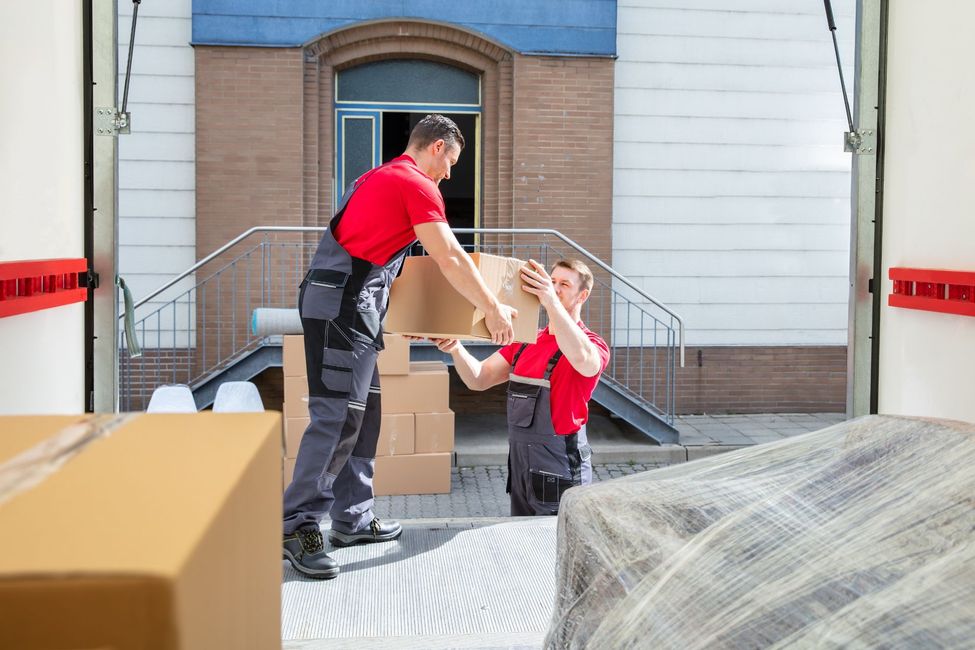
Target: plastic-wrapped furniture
[
  {"x": 858, "y": 535},
  {"x": 172, "y": 398}
]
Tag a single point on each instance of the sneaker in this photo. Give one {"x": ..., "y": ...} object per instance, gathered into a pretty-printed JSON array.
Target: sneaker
[
  {"x": 305, "y": 549},
  {"x": 376, "y": 531}
]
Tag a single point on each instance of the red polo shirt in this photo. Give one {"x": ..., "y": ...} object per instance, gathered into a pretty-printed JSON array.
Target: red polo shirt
[
  {"x": 379, "y": 219},
  {"x": 570, "y": 390}
]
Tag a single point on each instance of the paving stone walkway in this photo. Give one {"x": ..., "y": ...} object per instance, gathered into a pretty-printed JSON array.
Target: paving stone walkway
[
  {"x": 479, "y": 491},
  {"x": 475, "y": 492}
]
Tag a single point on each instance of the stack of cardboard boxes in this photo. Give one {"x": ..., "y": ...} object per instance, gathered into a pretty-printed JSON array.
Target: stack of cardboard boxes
[{"x": 416, "y": 438}]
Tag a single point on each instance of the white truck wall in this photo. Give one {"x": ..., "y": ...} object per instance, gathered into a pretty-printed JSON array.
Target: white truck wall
[
  {"x": 41, "y": 175},
  {"x": 927, "y": 360}
]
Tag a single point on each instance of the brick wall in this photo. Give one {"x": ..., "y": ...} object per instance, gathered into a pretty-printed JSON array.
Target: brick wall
[
  {"x": 139, "y": 377},
  {"x": 248, "y": 141},
  {"x": 563, "y": 148},
  {"x": 800, "y": 379},
  {"x": 729, "y": 380}
]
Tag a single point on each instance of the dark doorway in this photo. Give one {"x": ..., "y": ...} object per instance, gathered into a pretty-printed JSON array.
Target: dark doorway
[{"x": 458, "y": 192}]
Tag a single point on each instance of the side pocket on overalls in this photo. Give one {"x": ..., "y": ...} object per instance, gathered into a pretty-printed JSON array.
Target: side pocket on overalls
[
  {"x": 322, "y": 295},
  {"x": 550, "y": 476},
  {"x": 337, "y": 370}
]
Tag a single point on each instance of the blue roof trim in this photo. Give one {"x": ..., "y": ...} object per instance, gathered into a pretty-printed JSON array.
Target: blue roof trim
[{"x": 574, "y": 27}]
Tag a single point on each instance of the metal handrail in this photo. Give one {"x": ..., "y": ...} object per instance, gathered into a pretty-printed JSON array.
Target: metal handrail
[{"x": 465, "y": 231}]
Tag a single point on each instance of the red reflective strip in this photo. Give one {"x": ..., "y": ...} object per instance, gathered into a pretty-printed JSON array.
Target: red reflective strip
[
  {"x": 32, "y": 285},
  {"x": 937, "y": 290}
]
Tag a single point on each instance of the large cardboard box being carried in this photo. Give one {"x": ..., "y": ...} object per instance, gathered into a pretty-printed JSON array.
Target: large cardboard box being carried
[
  {"x": 142, "y": 531},
  {"x": 423, "y": 303}
]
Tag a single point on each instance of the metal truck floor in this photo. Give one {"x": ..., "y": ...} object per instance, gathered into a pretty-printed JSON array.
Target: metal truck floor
[{"x": 446, "y": 583}]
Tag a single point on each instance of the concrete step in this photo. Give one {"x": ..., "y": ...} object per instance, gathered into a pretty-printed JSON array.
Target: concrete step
[{"x": 482, "y": 439}]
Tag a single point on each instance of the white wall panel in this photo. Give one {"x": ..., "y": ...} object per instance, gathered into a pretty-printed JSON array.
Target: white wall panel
[
  {"x": 715, "y": 130},
  {"x": 731, "y": 188},
  {"x": 725, "y": 103},
  {"x": 157, "y": 168},
  {"x": 730, "y": 237},
  {"x": 157, "y": 203},
  {"x": 745, "y": 264},
  {"x": 729, "y": 209},
  {"x": 770, "y": 78},
  {"x": 157, "y": 231},
  {"x": 673, "y": 182},
  {"x": 163, "y": 89},
  {"x": 157, "y": 175},
  {"x": 159, "y": 118},
  {"x": 738, "y": 157}
]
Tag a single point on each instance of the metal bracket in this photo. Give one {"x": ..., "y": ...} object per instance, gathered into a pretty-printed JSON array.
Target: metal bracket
[
  {"x": 862, "y": 142},
  {"x": 108, "y": 121}
]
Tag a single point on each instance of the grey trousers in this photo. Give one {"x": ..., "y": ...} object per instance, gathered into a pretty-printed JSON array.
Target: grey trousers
[{"x": 336, "y": 459}]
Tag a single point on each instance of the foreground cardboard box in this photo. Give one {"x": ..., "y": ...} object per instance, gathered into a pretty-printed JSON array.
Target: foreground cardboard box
[
  {"x": 434, "y": 432},
  {"x": 413, "y": 474},
  {"x": 395, "y": 359},
  {"x": 425, "y": 390},
  {"x": 165, "y": 533},
  {"x": 396, "y": 435},
  {"x": 422, "y": 302},
  {"x": 293, "y": 356}
]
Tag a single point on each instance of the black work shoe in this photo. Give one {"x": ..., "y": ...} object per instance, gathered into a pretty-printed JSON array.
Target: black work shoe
[
  {"x": 305, "y": 549},
  {"x": 376, "y": 531}
]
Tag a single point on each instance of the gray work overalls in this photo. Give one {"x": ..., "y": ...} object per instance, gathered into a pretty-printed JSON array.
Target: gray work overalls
[
  {"x": 342, "y": 303},
  {"x": 541, "y": 464}
]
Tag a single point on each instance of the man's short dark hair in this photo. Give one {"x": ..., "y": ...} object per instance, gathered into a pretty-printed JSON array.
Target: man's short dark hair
[
  {"x": 583, "y": 271},
  {"x": 435, "y": 127}
]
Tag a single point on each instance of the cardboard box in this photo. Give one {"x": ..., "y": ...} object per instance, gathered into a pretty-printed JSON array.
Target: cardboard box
[
  {"x": 434, "y": 432},
  {"x": 293, "y": 356},
  {"x": 287, "y": 470},
  {"x": 425, "y": 390},
  {"x": 395, "y": 359},
  {"x": 423, "y": 303},
  {"x": 396, "y": 435},
  {"x": 295, "y": 397},
  {"x": 138, "y": 539},
  {"x": 294, "y": 428},
  {"x": 413, "y": 474}
]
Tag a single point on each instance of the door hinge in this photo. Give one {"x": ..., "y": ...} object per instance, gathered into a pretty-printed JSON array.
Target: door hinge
[
  {"x": 863, "y": 141},
  {"x": 109, "y": 121}
]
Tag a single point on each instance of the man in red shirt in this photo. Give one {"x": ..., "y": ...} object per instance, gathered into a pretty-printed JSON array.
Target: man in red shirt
[
  {"x": 549, "y": 386},
  {"x": 342, "y": 303}
]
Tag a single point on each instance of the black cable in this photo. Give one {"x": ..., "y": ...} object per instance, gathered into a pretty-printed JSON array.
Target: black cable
[
  {"x": 836, "y": 48},
  {"x": 128, "y": 66}
]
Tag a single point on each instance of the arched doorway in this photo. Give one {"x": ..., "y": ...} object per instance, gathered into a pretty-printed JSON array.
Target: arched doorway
[{"x": 378, "y": 103}]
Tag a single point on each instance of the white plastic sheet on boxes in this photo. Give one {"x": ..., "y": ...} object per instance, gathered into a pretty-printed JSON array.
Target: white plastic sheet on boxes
[{"x": 859, "y": 535}]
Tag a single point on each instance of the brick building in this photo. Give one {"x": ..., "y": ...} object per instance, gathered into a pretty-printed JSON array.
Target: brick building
[{"x": 684, "y": 147}]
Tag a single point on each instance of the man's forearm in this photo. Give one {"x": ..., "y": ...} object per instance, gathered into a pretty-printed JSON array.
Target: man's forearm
[
  {"x": 576, "y": 347},
  {"x": 462, "y": 275},
  {"x": 468, "y": 368}
]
